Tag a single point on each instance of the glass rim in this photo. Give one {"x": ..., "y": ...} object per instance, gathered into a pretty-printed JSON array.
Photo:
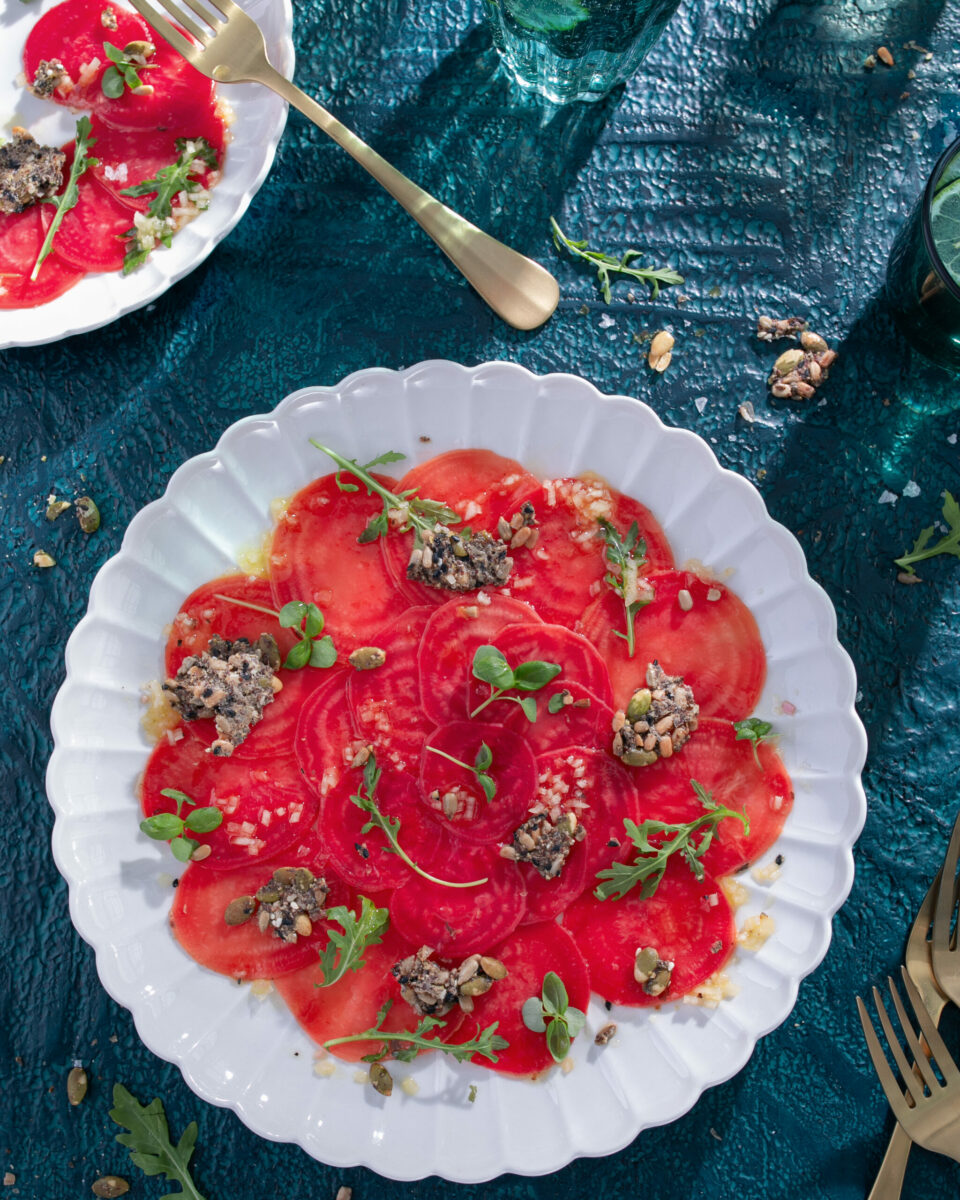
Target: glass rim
[{"x": 928, "y": 192}]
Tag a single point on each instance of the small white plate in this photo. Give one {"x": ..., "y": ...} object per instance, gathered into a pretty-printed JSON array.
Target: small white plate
[
  {"x": 249, "y": 1054},
  {"x": 99, "y": 299}
]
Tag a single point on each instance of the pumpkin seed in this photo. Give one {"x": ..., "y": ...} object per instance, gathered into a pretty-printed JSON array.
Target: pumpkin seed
[
  {"x": 55, "y": 507},
  {"x": 77, "y": 1083},
  {"x": 367, "y": 658},
  {"x": 381, "y": 1079},
  {"x": 493, "y": 967},
  {"x": 639, "y": 704},
  {"x": 87, "y": 514},
  {"x": 239, "y": 911},
  {"x": 108, "y": 1187}
]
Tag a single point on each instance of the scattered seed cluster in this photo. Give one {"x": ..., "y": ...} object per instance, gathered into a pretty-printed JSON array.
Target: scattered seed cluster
[
  {"x": 543, "y": 844},
  {"x": 658, "y": 720},
  {"x": 798, "y": 372},
  {"x": 289, "y": 903},
  {"x": 432, "y": 990},
  {"x": 652, "y": 972},
  {"x": 447, "y": 560}
]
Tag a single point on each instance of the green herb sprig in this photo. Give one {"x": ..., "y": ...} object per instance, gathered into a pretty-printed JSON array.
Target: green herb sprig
[
  {"x": 168, "y": 183},
  {"x": 481, "y": 765},
  {"x": 148, "y": 1140},
  {"x": 948, "y": 544},
  {"x": 344, "y": 951},
  {"x": 490, "y": 666},
  {"x": 390, "y": 826},
  {"x": 173, "y": 828},
  {"x": 628, "y": 554},
  {"x": 416, "y": 514},
  {"x": 752, "y": 729},
  {"x": 486, "y": 1043},
  {"x": 68, "y": 198},
  {"x": 655, "y": 278},
  {"x": 649, "y": 866},
  {"x": 552, "y": 1014},
  {"x": 121, "y": 73},
  {"x": 308, "y": 621}
]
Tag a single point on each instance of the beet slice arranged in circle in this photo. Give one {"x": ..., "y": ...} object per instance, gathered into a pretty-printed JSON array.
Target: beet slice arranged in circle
[
  {"x": 324, "y": 741},
  {"x": 584, "y": 721},
  {"x": 21, "y": 237},
  {"x": 91, "y": 234},
  {"x": 687, "y": 921},
  {"x": 547, "y": 898},
  {"x": 179, "y": 92},
  {"x": 461, "y": 921},
  {"x": 456, "y": 795},
  {"x": 715, "y": 644},
  {"x": 529, "y": 954}
]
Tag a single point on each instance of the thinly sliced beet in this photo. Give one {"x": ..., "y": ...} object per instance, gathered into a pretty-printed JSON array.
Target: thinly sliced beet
[
  {"x": 21, "y": 238},
  {"x": 91, "y": 234},
  {"x": 688, "y": 922},
  {"x": 577, "y": 658},
  {"x": 529, "y": 955},
  {"x": 324, "y": 741},
  {"x": 366, "y": 859},
  {"x": 477, "y": 484},
  {"x": 715, "y": 645},
  {"x": 547, "y": 898},
  {"x": 385, "y": 702},
  {"x": 449, "y": 642},
  {"x": 242, "y": 951},
  {"x": 728, "y": 769},
  {"x": 315, "y": 557},
  {"x": 179, "y": 760},
  {"x": 461, "y": 921},
  {"x": 568, "y": 563},
  {"x": 180, "y": 94},
  {"x": 274, "y": 734},
  {"x": 203, "y": 614},
  {"x": 584, "y": 721},
  {"x": 472, "y": 816},
  {"x": 74, "y": 33}
]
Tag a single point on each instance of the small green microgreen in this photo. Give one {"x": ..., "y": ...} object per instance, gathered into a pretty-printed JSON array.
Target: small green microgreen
[
  {"x": 626, "y": 556},
  {"x": 649, "y": 866},
  {"x": 148, "y": 1141},
  {"x": 550, "y": 1013},
  {"x": 411, "y": 511},
  {"x": 481, "y": 765},
  {"x": 558, "y": 702},
  {"x": 365, "y": 799},
  {"x": 307, "y": 620},
  {"x": 490, "y": 666},
  {"x": 122, "y": 72},
  {"x": 172, "y": 827},
  {"x": 486, "y": 1043},
  {"x": 753, "y": 730},
  {"x": 70, "y": 195},
  {"x": 655, "y": 278},
  {"x": 948, "y": 544},
  {"x": 344, "y": 951}
]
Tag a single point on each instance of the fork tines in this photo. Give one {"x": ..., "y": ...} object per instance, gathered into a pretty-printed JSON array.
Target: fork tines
[{"x": 946, "y": 952}]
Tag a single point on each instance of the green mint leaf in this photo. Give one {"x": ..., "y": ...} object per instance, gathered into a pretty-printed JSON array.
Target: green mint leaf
[
  {"x": 204, "y": 820},
  {"x": 555, "y": 999},
  {"x": 313, "y": 626},
  {"x": 111, "y": 84},
  {"x": 532, "y": 1014},
  {"x": 490, "y": 666},
  {"x": 147, "y": 1138},
  {"x": 183, "y": 848},
  {"x": 529, "y": 706},
  {"x": 558, "y": 1040},
  {"x": 180, "y": 797},
  {"x": 113, "y": 53},
  {"x": 162, "y": 826},
  {"x": 298, "y": 657},
  {"x": 292, "y": 614},
  {"x": 323, "y": 653},
  {"x": 488, "y": 785},
  {"x": 532, "y": 676},
  {"x": 484, "y": 759}
]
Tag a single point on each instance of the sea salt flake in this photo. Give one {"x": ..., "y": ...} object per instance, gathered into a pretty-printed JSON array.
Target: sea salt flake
[
  {"x": 700, "y": 403},
  {"x": 952, "y": 439},
  {"x": 887, "y": 498},
  {"x": 606, "y": 321},
  {"x": 912, "y": 489}
]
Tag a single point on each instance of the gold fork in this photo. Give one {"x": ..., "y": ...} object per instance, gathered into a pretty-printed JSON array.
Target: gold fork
[
  {"x": 229, "y": 48},
  {"x": 928, "y": 1110},
  {"x": 889, "y": 1182},
  {"x": 944, "y": 949}
]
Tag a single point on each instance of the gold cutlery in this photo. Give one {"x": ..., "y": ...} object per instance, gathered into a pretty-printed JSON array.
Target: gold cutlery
[
  {"x": 928, "y": 1109},
  {"x": 943, "y": 948},
  {"x": 229, "y": 48}
]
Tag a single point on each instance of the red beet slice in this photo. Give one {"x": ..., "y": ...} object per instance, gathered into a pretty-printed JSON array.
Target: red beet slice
[
  {"x": 203, "y": 614},
  {"x": 180, "y": 93},
  {"x": 385, "y": 702},
  {"x": 177, "y": 761},
  {"x": 585, "y": 721},
  {"x": 715, "y": 646},
  {"x": 579, "y": 662},
  {"x": 461, "y": 921},
  {"x": 324, "y": 740},
  {"x": 728, "y": 769},
  {"x": 477, "y": 484},
  {"x": 315, "y": 557},
  {"x": 21, "y": 237},
  {"x": 448, "y": 644},
  {"x": 513, "y": 771},
  {"x": 91, "y": 235},
  {"x": 547, "y": 898},
  {"x": 242, "y": 951},
  {"x": 365, "y": 859},
  {"x": 74, "y": 33},
  {"x": 688, "y": 923},
  {"x": 529, "y": 954},
  {"x": 568, "y": 564}
]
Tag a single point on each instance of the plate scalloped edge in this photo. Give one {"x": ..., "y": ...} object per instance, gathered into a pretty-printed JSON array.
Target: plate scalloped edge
[{"x": 600, "y": 1108}]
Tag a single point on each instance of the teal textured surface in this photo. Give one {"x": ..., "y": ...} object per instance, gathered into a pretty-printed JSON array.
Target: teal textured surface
[{"x": 757, "y": 156}]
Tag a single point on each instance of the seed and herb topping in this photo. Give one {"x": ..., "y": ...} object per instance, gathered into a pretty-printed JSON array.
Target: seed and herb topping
[
  {"x": 552, "y": 1014},
  {"x": 658, "y": 720},
  {"x": 651, "y": 971},
  {"x": 433, "y": 990},
  {"x": 125, "y": 67},
  {"x": 459, "y": 563},
  {"x": 771, "y": 329},
  {"x": 544, "y": 845},
  {"x": 308, "y": 621},
  {"x": 521, "y": 531},
  {"x": 798, "y": 373},
  {"x": 230, "y": 683},
  {"x": 490, "y": 666},
  {"x": 29, "y": 172},
  {"x": 50, "y": 75},
  {"x": 288, "y": 904},
  {"x": 561, "y": 700}
]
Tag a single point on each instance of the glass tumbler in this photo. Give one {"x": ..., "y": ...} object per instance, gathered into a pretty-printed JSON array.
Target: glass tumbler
[{"x": 575, "y": 49}]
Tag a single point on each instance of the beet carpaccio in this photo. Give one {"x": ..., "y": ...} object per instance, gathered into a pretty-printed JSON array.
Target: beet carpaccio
[{"x": 471, "y": 747}]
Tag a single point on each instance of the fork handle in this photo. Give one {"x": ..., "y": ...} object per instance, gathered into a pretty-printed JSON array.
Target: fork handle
[
  {"x": 519, "y": 290},
  {"x": 889, "y": 1182}
]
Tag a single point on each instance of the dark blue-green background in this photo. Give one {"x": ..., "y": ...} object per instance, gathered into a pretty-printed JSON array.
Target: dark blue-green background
[{"x": 755, "y": 154}]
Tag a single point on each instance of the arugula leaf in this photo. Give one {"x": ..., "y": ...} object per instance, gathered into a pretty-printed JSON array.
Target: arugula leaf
[
  {"x": 948, "y": 544},
  {"x": 627, "y": 555},
  {"x": 752, "y": 729},
  {"x": 70, "y": 195},
  {"x": 148, "y": 1141},
  {"x": 550, "y": 1013},
  {"x": 605, "y": 263},
  {"x": 490, "y": 666},
  {"x": 308, "y": 621},
  {"x": 344, "y": 950},
  {"x": 649, "y": 867},
  {"x": 486, "y": 1043}
]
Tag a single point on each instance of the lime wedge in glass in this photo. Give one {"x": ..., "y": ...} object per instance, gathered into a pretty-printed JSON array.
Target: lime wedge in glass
[{"x": 945, "y": 226}]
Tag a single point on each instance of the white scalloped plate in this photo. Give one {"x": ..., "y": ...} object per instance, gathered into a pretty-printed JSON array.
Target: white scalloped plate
[
  {"x": 249, "y": 1054},
  {"x": 99, "y": 299}
]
